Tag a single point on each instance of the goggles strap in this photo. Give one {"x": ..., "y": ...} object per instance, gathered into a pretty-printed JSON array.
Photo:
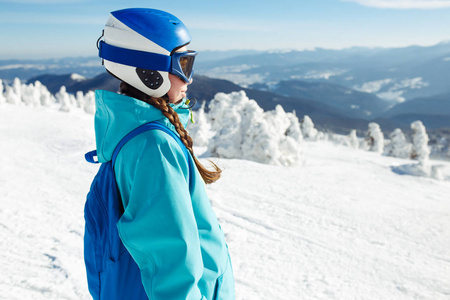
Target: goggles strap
[{"x": 135, "y": 58}]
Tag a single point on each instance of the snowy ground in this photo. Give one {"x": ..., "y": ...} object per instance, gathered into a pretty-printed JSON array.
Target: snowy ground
[{"x": 344, "y": 226}]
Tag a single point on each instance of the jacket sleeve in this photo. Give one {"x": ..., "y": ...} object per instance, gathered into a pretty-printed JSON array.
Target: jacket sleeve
[{"x": 158, "y": 226}]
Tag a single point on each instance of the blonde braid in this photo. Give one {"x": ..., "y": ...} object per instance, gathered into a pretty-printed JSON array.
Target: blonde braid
[{"x": 160, "y": 103}]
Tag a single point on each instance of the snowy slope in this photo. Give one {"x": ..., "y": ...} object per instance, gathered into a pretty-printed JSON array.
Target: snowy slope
[{"x": 343, "y": 226}]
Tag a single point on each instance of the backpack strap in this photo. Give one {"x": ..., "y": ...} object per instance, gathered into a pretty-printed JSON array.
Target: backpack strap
[
  {"x": 90, "y": 156},
  {"x": 143, "y": 128}
]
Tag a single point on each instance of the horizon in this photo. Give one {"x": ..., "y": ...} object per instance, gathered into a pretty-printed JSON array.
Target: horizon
[
  {"x": 46, "y": 29},
  {"x": 243, "y": 50}
]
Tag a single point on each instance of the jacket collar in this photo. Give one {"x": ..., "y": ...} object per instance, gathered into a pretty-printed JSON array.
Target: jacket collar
[{"x": 117, "y": 114}]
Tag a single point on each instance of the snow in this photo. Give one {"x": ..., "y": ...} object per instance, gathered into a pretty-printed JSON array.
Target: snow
[
  {"x": 373, "y": 86},
  {"x": 38, "y": 95},
  {"x": 315, "y": 74},
  {"x": 233, "y": 74},
  {"x": 392, "y": 96},
  {"x": 308, "y": 129},
  {"x": 411, "y": 83},
  {"x": 344, "y": 225},
  {"x": 77, "y": 77},
  {"x": 23, "y": 66},
  {"x": 374, "y": 138},
  {"x": 244, "y": 130},
  {"x": 42, "y": 180},
  {"x": 200, "y": 131},
  {"x": 2, "y": 97},
  {"x": 390, "y": 89},
  {"x": 420, "y": 150},
  {"x": 353, "y": 139},
  {"x": 398, "y": 146}
]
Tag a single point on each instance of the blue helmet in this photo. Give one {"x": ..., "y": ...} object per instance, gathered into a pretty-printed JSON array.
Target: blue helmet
[{"x": 139, "y": 47}]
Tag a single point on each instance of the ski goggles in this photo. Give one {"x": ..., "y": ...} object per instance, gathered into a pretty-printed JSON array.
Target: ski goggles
[
  {"x": 183, "y": 64},
  {"x": 180, "y": 64}
]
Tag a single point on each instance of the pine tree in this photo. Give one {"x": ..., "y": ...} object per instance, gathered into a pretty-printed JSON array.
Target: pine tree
[
  {"x": 375, "y": 138},
  {"x": 399, "y": 146},
  {"x": 63, "y": 97},
  {"x": 2, "y": 97},
  {"x": 11, "y": 96},
  {"x": 308, "y": 130},
  {"x": 353, "y": 139},
  {"x": 200, "y": 131},
  {"x": 294, "y": 129},
  {"x": 420, "y": 150},
  {"x": 243, "y": 130},
  {"x": 89, "y": 102}
]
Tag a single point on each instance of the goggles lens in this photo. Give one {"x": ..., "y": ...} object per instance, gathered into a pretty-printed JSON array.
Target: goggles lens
[{"x": 183, "y": 65}]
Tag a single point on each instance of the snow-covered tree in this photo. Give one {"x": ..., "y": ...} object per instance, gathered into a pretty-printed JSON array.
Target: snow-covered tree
[
  {"x": 63, "y": 98},
  {"x": 89, "y": 102},
  {"x": 353, "y": 139},
  {"x": 80, "y": 101},
  {"x": 37, "y": 94},
  {"x": 308, "y": 130},
  {"x": 30, "y": 94},
  {"x": 283, "y": 136},
  {"x": 294, "y": 129},
  {"x": 73, "y": 101},
  {"x": 45, "y": 97},
  {"x": 200, "y": 131},
  {"x": 231, "y": 116},
  {"x": 17, "y": 88},
  {"x": 398, "y": 146},
  {"x": 2, "y": 97},
  {"x": 420, "y": 150},
  {"x": 243, "y": 130},
  {"x": 11, "y": 96},
  {"x": 374, "y": 138}
]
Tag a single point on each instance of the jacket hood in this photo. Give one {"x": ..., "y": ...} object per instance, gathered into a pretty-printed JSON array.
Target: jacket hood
[{"x": 116, "y": 115}]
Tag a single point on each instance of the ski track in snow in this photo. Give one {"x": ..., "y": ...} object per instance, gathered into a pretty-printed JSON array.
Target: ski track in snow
[{"x": 343, "y": 226}]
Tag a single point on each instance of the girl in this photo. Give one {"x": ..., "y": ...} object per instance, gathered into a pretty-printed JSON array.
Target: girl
[{"x": 167, "y": 226}]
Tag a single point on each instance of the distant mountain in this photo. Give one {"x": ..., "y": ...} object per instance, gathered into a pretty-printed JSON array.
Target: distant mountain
[
  {"x": 339, "y": 89},
  {"x": 435, "y": 105},
  {"x": 430, "y": 121},
  {"x": 26, "y": 69},
  {"x": 354, "y": 103},
  {"x": 306, "y": 100},
  {"x": 73, "y": 83},
  {"x": 394, "y": 75},
  {"x": 433, "y": 111},
  {"x": 204, "y": 89},
  {"x": 353, "y": 56},
  {"x": 324, "y": 116}
]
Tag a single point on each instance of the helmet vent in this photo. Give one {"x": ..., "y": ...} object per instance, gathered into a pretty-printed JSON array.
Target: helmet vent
[{"x": 150, "y": 78}]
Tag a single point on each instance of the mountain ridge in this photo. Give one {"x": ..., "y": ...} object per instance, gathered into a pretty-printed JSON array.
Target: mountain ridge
[{"x": 326, "y": 117}]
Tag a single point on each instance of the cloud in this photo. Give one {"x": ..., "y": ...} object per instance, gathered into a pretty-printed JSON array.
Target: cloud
[{"x": 403, "y": 4}]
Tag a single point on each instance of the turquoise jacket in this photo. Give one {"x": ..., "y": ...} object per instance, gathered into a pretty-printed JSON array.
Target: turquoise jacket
[{"x": 168, "y": 225}]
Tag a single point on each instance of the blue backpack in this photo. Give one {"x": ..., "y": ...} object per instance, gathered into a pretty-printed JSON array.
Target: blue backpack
[{"x": 111, "y": 271}]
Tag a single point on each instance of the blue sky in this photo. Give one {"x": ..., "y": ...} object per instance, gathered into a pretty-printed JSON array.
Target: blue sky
[{"x": 59, "y": 28}]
